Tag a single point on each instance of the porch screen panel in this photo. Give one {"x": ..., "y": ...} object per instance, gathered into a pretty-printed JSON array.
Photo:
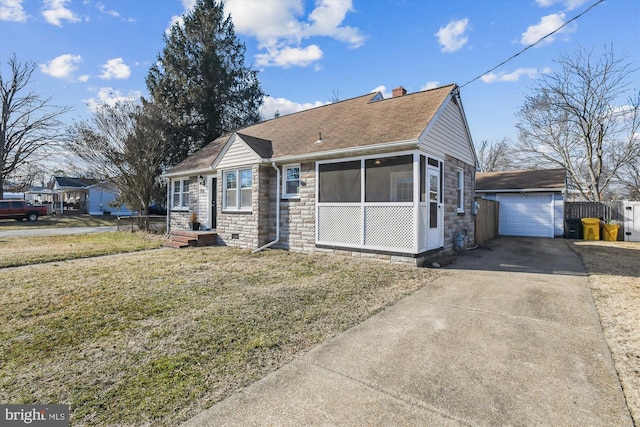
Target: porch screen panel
[
  {"x": 389, "y": 179},
  {"x": 339, "y": 182}
]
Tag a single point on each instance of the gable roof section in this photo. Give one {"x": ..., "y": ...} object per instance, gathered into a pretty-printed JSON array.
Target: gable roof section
[
  {"x": 539, "y": 179},
  {"x": 358, "y": 122}
]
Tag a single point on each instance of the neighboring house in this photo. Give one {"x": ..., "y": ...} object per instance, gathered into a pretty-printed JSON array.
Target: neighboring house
[
  {"x": 382, "y": 178},
  {"x": 531, "y": 201},
  {"x": 88, "y": 195}
]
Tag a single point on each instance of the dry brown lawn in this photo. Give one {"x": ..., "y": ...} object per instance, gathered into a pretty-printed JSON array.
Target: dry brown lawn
[
  {"x": 614, "y": 278},
  {"x": 155, "y": 337}
]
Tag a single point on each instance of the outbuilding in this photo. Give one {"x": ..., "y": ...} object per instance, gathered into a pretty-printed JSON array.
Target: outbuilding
[{"x": 531, "y": 201}]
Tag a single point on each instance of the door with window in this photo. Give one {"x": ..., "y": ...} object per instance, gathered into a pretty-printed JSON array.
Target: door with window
[
  {"x": 435, "y": 237},
  {"x": 213, "y": 189}
]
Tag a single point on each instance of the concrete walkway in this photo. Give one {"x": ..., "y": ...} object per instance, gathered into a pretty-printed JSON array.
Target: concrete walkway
[{"x": 507, "y": 336}]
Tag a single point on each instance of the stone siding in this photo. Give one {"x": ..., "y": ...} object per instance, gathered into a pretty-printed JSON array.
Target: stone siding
[
  {"x": 298, "y": 215},
  {"x": 181, "y": 220},
  {"x": 246, "y": 230},
  {"x": 453, "y": 219}
]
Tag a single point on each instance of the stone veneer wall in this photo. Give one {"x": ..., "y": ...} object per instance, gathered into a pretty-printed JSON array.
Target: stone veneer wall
[
  {"x": 180, "y": 220},
  {"x": 298, "y": 215},
  {"x": 451, "y": 216},
  {"x": 247, "y": 230}
]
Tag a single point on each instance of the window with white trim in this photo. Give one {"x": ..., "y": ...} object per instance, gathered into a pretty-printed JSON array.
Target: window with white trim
[
  {"x": 460, "y": 191},
  {"x": 180, "y": 194},
  {"x": 237, "y": 189},
  {"x": 291, "y": 181}
]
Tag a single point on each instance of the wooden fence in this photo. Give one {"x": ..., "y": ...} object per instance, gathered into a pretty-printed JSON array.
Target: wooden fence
[{"x": 486, "y": 220}]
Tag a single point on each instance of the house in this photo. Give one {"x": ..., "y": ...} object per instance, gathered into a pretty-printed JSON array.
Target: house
[
  {"x": 87, "y": 195},
  {"x": 531, "y": 201},
  {"x": 383, "y": 178}
]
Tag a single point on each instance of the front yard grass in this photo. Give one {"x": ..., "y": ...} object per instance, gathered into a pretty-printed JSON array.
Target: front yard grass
[
  {"x": 156, "y": 337},
  {"x": 16, "y": 251}
]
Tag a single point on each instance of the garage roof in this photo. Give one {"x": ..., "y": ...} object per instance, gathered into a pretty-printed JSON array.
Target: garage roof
[{"x": 534, "y": 179}]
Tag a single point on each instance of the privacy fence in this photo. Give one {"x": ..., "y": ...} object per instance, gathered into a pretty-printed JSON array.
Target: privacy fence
[{"x": 486, "y": 220}]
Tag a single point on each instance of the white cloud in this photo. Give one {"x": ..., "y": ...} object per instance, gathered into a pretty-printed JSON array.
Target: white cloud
[
  {"x": 62, "y": 67},
  {"x": 115, "y": 69},
  {"x": 452, "y": 37},
  {"x": 55, "y": 12},
  {"x": 83, "y": 78},
  {"x": 546, "y": 25},
  {"x": 112, "y": 12},
  {"x": 568, "y": 4},
  {"x": 188, "y": 6},
  {"x": 281, "y": 28},
  {"x": 430, "y": 85},
  {"x": 110, "y": 96},
  {"x": 514, "y": 76},
  {"x": 288, "y": 56},
  {"x": 11, "y": 10},
  {"x": 283, "y": 106},
  {"x": 382, "y": 89}
]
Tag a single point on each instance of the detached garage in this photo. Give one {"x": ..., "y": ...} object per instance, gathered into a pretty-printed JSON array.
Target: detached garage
[{"x": 531, "y": 201}]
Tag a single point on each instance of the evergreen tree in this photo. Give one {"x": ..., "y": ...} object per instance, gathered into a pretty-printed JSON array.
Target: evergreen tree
[{"x": 200, "y": 81}]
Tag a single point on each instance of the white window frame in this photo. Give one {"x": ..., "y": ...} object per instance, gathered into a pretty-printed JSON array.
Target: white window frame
[
  {"x": 285, "y": 169},
  {"x": 238, "y": 206},
  {"x": 460, "y": 191},
  {"x": 182, "y": 201}
]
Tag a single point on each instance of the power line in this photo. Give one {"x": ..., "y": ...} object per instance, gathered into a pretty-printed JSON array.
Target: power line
[{"x": 533, "y": 44}]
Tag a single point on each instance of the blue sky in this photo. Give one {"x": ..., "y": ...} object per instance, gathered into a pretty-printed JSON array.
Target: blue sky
[{"x": 308, "y": 52}]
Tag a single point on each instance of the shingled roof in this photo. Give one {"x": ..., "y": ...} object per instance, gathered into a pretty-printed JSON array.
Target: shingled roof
[
  {"x": 358, "y": 122},
  {"x": 552, "y": 179}
]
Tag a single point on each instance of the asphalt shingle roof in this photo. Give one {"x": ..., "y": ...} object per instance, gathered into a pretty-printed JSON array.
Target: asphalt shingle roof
[
  {"x": 356, "y": 122},
  {"x": 553, "y": 179}
]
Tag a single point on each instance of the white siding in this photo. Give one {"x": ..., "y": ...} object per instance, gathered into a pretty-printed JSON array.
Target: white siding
[
  {"x": 558, "y": 209},
  {"x": 238, "y": 154},
  {"x": 448, "y": 135}
]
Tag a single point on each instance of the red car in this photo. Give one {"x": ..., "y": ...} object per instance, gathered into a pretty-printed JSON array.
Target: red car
[{"x": 19, "y": 210}]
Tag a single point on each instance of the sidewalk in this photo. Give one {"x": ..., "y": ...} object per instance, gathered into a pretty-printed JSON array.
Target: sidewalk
[{"x": 507, "y": 336}]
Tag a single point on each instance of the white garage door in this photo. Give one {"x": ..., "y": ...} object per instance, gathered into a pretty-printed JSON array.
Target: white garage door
[{"x": 526, "y": 215}]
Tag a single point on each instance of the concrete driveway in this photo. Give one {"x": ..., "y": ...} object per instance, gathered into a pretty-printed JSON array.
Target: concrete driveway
[{"x": 507, "y": 336}]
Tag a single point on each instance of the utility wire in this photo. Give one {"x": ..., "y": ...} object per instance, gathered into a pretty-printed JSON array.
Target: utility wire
[{"x": 533, "y": 44}]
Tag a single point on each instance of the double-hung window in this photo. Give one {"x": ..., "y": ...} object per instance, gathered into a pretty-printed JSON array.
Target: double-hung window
[
  {"x": 460, "y": 191},
  {"x": 180, "y": 194},
  {"x": 291, "y": 182},
  {"x": 237, "y": 189}
]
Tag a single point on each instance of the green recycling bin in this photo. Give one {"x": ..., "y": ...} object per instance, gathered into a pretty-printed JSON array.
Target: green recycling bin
[
  {"x": 591, "y": 228},
  {"x": 610, "y": 232}
]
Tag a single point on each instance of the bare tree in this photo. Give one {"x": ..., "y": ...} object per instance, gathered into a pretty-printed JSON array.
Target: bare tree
[
  {"x": 496, "y": 156},
  {"x": 125, "y": 144},
  {"x": 572, "y": 121},
  {"x": 30, "y": 125}
]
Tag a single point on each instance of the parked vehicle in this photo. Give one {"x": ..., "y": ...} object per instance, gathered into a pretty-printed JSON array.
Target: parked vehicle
[{"x": 20, "y": 210}]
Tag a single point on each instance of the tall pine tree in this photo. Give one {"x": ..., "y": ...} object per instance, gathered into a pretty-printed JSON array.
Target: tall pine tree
[{"x": 200, "y": 81}]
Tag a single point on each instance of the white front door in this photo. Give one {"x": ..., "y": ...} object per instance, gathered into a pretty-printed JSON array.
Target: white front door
[
  {"x": 632, "y": 221},
  {"x": 435, "y": 235}
]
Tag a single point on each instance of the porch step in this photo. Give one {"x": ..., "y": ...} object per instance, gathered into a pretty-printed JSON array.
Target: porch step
[{"x": 184, "y": 239}]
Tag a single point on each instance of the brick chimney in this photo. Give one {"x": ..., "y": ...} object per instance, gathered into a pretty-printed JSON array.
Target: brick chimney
[{"x": 399, "y": 91}]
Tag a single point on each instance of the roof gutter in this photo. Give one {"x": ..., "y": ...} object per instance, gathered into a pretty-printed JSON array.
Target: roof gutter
[
  {"x": 277, "y": 239},
  {"x": 347, "y": 151},
  {"x": 523, "y": 190}
]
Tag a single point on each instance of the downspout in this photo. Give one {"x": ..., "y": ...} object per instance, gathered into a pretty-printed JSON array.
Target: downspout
[
  {"x": 277, "y": 239},
  {"x": 168, "y": 205}
]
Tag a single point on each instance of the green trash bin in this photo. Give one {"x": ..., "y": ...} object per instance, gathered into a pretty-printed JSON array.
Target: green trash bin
[{"x": 591, "y": 228}]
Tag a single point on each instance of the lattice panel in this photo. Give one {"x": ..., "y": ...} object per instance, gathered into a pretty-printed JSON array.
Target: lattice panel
[
  {"x": 389, "y": 226},
  {"x": 340, "y": 224}
]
